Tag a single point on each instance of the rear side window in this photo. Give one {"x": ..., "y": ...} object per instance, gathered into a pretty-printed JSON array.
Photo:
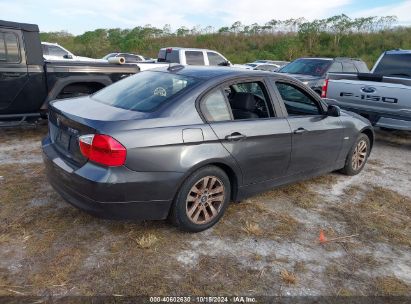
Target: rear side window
[
  {"x": 349, "y": 67},
  {"x": 194, "y": 58},
  {"x": 215, "y": 108},
  {"x": 145, "y": 91},
  {"x": 336, "y": 67},
  {"x": 169, "y": 55},
  {"x": 215, "y": 59},
  {"x": 9, "y": 48},
  {"x": 45, "y": 49},
  {"x": 394, "y": 65},
  {"x": 362, "y": 67}
]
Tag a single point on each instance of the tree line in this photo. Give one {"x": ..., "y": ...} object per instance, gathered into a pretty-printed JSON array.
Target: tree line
[{"x": 340, "y": 35}]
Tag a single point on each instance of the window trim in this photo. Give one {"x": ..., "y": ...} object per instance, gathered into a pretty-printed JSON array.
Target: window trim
[
  {"x": 273, "y": 112},
  {"x": 204, "y": 98},
  {"x": 7, "y": 52},
  {"x": 296, "y": 85}
]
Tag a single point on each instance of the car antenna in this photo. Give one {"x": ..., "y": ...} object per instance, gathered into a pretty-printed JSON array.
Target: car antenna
[{"x": 173, "y": 67}]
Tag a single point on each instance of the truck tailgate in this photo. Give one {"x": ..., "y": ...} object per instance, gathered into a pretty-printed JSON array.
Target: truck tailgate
[{"x": 379, "y": 97}]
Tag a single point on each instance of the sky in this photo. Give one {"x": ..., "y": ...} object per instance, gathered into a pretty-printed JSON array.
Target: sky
[{"x": 78, "y": 16}]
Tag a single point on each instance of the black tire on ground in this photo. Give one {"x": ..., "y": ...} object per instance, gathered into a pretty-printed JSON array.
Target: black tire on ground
[
  {"x": 352, "y": 165},
  {"x": 201, "y": 200}
]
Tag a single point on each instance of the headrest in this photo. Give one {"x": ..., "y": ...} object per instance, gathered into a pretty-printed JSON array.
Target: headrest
[{"x": 243, "y": 101}]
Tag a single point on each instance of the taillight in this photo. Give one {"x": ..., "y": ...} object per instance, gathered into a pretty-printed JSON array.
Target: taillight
[
  {"x": 103, "y": 149},
  {"x": 324, "y": 89}
]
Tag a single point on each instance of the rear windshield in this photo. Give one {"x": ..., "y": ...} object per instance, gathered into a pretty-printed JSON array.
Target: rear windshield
[
  {"x": 145, "y": 91},
  {"x": 168, "y": 55},
  {"x": 313, "y": 67},
  {"x": 394, "y": 65}
]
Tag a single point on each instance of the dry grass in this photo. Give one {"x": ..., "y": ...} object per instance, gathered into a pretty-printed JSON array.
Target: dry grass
[
  {"x": 288, "y": 277},
  {"x": 391, "y": 286},
  {"x": 147, "y": 241},
  {"x": 49, "y": 247},
  {"x": 301, "y": 194},
  {"x": 381, "y": 216},
  {"x": 254, "y": 218},
  {"x": 252, "y": 229}
]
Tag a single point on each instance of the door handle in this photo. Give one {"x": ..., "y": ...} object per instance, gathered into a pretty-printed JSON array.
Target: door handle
[
  {"x": 11, "y": 74},
  {"x": 300, "y": 131},
  {"x": 235, "y": 136}
]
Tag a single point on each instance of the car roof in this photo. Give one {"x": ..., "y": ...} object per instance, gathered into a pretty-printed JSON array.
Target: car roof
[
  {"x": 339, "y": 59},
  {"x": 21, "y": 26},
  {"x": 187, "y": 49},
  {"x": 398, "y": 52},
  {"x": 49, "y": 43},
  {"x": 208, "y": 72}
]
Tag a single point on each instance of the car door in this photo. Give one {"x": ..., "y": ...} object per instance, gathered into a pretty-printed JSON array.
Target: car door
[
  {"x": 259, "y": 141},
  {"x": 13, "y": 68},
  {"x": 316, "y": 137}
]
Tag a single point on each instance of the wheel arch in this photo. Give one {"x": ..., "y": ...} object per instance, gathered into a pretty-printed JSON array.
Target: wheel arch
[
  {"x": 233, "y": 173},
  {"x": 61, "y": 84},
  {"x": 370, "y": 134}
]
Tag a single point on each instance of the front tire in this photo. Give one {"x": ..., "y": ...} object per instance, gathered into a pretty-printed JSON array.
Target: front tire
[
  {"x": 201, "y": 200},
  {"x": 358, "y": 156}
]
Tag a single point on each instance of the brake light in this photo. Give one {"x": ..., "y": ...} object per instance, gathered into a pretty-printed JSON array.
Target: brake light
[
  {"x": 169, "y": 50},
  {"x": 324, "y": 89},
  {"x": 103, "y": 149}
]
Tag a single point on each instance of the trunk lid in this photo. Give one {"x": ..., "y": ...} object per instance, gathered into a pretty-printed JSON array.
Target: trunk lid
[{"x": 71, "y": 118}]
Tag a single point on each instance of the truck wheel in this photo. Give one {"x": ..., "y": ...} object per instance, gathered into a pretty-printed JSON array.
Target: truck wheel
[
  {"x": 202, "y": 200},
  {"x": 357, "y": 156}
]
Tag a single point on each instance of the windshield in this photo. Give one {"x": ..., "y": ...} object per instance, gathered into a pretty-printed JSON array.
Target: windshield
[
  {"x": 394, "y": 65},
  {"x": 313, "y": 67},
  {"x": 145, "y": 91},
  {"x": 253, "y": 65},
  {"x": 110, "y": 55}
]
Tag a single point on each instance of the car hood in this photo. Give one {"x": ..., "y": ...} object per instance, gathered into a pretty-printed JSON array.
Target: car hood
[{"x": 305, "y": 78}]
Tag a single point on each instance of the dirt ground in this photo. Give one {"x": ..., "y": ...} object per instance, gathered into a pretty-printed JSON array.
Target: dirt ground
[{"x": 266, "y": 245}]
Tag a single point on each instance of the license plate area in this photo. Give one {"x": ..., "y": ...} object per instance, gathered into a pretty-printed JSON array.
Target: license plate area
[{"x": 63, "y": 140}]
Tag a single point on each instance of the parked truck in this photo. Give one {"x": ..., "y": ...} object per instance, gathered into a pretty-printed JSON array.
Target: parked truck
[
  {"x": 185, "y": 56},
  {"x": 28, "y": 82},
  {"x": 383, "y": 96}
]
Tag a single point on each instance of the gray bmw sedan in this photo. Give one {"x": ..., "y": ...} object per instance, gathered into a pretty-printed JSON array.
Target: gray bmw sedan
[{"x": 182, "y": 142}]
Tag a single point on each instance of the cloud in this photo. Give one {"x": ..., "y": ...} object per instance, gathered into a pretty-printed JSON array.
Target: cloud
[
  {"x": 77, "y": 16},
  {"x": 401, "y": 10}
]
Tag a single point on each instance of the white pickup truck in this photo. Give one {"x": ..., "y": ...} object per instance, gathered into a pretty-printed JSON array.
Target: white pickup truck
[
  {"x": 55, "y": 52},
  {"x": 383, "y": 96},
  {"x": 185, "y": 56}
]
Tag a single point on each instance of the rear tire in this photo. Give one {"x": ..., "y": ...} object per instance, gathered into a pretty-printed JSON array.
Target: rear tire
[
  {"x": 201, "y": 200},
  {"x": 357, "y": 156}
]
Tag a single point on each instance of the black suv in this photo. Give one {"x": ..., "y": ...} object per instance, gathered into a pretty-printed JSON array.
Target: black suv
[{"x": 313, "y": 71}]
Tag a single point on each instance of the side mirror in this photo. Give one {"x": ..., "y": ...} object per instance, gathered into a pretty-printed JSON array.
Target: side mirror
[
  {"x": 68, "y": 56},
  {"x": 333, "y": 111},
  {"x": 225, "y": 63}
]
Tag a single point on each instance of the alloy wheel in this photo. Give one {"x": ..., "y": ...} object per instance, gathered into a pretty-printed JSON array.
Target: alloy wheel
[
  {"x": 205, "y": 199},
  {"x": 359, "y": 155}
]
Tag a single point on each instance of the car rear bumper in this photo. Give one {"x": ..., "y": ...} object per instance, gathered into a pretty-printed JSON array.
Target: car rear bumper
[{"x": 116, "y": 192}]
